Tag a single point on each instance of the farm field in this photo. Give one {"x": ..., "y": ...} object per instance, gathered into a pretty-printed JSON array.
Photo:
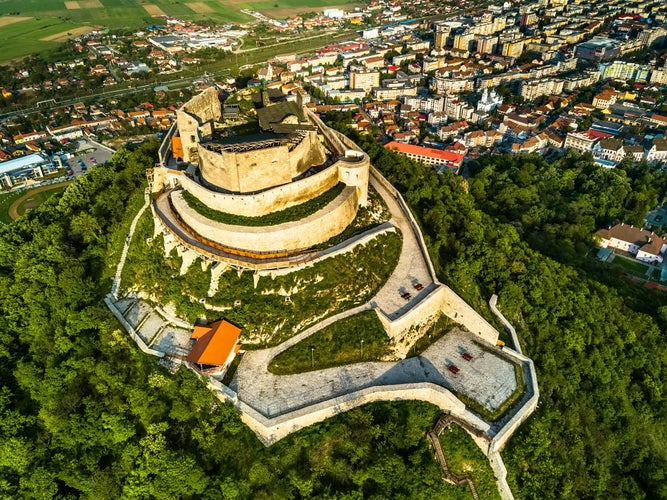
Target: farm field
[
  {"x": 39, "y": 25},
  {"x": 30, "y": 35}
]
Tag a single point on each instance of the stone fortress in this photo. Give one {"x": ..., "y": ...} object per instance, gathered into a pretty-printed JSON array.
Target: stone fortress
[
  {"x": 289, "y": 159},
  {"x": 293, "y": 159}
]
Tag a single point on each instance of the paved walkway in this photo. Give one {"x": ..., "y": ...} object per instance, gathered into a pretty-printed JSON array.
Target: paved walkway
[
  {"x": 411, "y": 268},
  {"x": 115, "y": 286}
]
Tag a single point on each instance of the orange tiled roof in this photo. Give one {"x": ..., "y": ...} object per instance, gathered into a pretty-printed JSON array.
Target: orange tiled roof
[{"x": 215, "y": 343}]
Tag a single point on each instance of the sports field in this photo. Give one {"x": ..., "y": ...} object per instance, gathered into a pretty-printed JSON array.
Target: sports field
[{"x": 15, "y": 204}]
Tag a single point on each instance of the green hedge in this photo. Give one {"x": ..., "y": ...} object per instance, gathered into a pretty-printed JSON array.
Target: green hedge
[{"x": 297, "y": 212}]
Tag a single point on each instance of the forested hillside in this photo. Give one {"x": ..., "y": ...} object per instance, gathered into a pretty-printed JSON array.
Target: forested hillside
[
  {"x": 598, "y": 342},
  {"x": 84, "y": 413}
]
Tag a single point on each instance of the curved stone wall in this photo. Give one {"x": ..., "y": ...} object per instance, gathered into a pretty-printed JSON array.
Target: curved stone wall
[
  {"x": 291, "y": 236},
  {"x": 352, "y": 173},
  {"x": 271, "y": 200},
  {"x": 251, "y": 171}
]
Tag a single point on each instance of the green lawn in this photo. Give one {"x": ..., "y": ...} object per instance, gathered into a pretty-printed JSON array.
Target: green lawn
[
  {"x": 464, "y": 457},
  {"x": 294, "y": 213},
  {"x": 631, "y": 266},
  {"x": 26, "y": 36},
  {"x": 358, "y": 338},
  {"x": 6, "y": 201},
  {"x": 50, "y": 17}
]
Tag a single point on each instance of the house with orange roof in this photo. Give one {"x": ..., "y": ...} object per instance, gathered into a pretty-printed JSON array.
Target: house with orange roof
[{"x": 215, "y": 346}]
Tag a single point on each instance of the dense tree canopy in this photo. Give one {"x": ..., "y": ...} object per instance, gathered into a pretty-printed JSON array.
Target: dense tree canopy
[
  {"x": 596, "y": 340},
  {"x": 84, "y": 413}
]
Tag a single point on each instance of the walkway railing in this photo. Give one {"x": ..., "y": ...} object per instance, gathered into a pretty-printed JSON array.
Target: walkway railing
[{"x": 434, "y": 436}]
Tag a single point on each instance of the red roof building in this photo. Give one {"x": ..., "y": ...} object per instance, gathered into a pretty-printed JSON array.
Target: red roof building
[
  {"x": 428, "y": 156},
  {"x": 216, "y": 344}
]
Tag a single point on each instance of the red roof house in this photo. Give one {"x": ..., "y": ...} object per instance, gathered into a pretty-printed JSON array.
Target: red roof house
[{"x": 216, "y": 344}]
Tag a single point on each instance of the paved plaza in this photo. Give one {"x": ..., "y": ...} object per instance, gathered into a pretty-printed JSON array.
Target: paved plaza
[{"x": 487, "y": 378}]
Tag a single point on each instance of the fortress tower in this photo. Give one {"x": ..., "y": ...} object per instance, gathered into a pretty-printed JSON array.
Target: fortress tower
[{"x": 215, "y": 189}]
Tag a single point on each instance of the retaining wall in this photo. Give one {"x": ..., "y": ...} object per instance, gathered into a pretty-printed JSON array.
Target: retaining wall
[
  {"x": 271, "y": 430},
  {"x": 271, "y": 200},
  {"x": 305, "y": 233}
]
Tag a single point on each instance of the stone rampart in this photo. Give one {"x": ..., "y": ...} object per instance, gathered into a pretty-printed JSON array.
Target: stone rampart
[
  {"x": 459, "y": 310},
  {"x": 354, "y": 171},
  {"x": 291, "y": 236},
  {"x": 272, "y": 429},
  {"x": 205, "y": 106},
  {"x": 530, "y": 377},
  {"x": 165, "y": 148},
  {"x": 266, "y": 202},
  {"x": 332, "y": 140},
  {"x": 194, "y": 114},
  {"x": 426, "y": 309}
]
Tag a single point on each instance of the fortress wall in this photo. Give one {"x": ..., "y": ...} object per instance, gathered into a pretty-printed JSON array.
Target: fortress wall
[
  {"x": 530, "y": 377},
  {"x": 441, "y": 300},
  {"x": 187, "y": 130},
  {"x": 356, "y": 173},
  {"x": 197, "y": 111},
  {"x": 425, "y": 309},
  {"x": 271, "y": 430},
  {"x": 246, "y": 171},
  {"x": 272, "y": 200},
  {"x": 250, "y": 171},
  {"x": 296, "y": 235},
  {"x": 459, "y": 310},
  {"x": 205, "y": 106},
  {"x": 308, "y": 153}
]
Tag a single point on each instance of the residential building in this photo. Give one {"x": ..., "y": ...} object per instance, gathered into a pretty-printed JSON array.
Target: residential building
[
  {"x": 366, "y": 80},
  {"x": 580, "y": 141},
  {"x": 428, "y": 156},
  {"x": 658, "y": 151},
  {"x": 642, "y": 244},
  {"x": 605, "y": 99}
]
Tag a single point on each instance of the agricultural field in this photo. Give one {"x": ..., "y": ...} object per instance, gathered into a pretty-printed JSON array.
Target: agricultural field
[
  {"x": 285, "y": 8},
  {"x": 38, "y": 25},
  {"x": 30, "y": 35}
]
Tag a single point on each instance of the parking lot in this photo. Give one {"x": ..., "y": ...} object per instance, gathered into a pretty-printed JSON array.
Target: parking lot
[{"x": 88, "y": 155}]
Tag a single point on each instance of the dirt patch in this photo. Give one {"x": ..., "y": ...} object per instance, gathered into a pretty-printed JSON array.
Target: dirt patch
[
  {"x": 200, "y": 8},
  {"x": 66, "y": 35},
  {"x": 72, "y": 5},
  {"x": 154, "y": 10},
  {"x": 5, "y": 21},
  {"x": 13, "y": 209},
  {"x": 91, "y": 4}
]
